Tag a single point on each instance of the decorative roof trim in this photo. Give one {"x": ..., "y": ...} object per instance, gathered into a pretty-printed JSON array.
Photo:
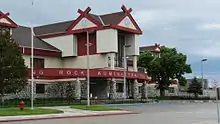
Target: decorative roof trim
[{"x": 5, "y": 16}]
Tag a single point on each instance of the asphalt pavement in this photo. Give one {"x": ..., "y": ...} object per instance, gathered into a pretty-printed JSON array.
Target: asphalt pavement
[{"x": 190, "y": 113}]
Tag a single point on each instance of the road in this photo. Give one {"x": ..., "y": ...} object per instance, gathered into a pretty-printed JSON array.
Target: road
[{"x": 196, "y": 113}]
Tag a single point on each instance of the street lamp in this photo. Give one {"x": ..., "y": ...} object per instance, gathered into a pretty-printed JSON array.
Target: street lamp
[
  {"x": 125, "y": 68},
  {"x": 32, "y": 62},
  {"x": 203, "y": 87},
  {"x": 88, "y": 44},
  {"x": 88, "y": 70}
]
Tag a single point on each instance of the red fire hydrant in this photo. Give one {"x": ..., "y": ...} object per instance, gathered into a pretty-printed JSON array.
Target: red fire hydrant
[{"x": 21, "y": 106}]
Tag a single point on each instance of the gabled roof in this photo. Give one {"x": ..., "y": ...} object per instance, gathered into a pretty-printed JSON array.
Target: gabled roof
[
  {"x": 61, "y": 27},
  {"x": 52, "y": 28},
  {"x": 6, "y": 21},
  {"x": 153, "y": 48},
  {"x": 22, "y": 35},
  {"x": 113, "y": 20}
]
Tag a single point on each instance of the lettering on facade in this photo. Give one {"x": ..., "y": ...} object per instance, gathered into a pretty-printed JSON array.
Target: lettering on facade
[
  {"x": 75, "y": 72},
  {"x": 68, "y": 72},
  {"x": 82, "y": 73},
  {"x": 99, "y": 73},
  {"x": 104, "y": 73},
  {"x": 110, "y": 73},
  {"x": 60, "y": 72},
  {"x": 41, "y": 72}
]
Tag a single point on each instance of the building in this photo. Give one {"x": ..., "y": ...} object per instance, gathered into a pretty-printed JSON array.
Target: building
[{"x": 60, "y": 54}]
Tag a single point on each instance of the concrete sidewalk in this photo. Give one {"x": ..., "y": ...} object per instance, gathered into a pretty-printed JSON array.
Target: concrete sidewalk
[{"x": 68, "y": 113}]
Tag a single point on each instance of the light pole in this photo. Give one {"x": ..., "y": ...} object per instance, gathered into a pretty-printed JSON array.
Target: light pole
[
  {"x": 202, "y": 61},
  {"x": 125, "y": 68},
  {"x": 32, "y": 63},
  {"x": 88, "y": 44},
  {"x": 87, "y": 63}
]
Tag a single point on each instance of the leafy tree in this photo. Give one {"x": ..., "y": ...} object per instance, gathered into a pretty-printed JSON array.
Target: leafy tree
[
  {"x": 170, "y": 65},
  {"x": 195, "y": 87},
  {"x": 13, "y": 72}
]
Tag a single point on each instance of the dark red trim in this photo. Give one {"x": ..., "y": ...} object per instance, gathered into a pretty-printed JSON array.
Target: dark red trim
[
  {"x": 72, "y": 32},
  {"x": 126, "y": 29},
  {"x": 88, "y": 29},
  {"x": 81, "y": 44},
  {"x": 40, "y": 52},
  {"x": 5, "y": 16},
  {"x": 83, "y": 14},
  {"x": 62, "y": 73},
  {"x": 52, "y": 35}
]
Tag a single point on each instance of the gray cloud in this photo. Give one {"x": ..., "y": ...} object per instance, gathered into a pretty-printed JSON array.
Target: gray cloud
[{"x": 192, "y": 26}]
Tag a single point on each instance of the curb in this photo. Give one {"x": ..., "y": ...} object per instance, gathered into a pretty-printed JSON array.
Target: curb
[
  {"x": 131, "y": 104},
  {"x": 62, "y": 117}
]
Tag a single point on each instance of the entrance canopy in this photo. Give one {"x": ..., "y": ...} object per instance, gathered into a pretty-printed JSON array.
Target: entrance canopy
[{"x": 62, "y": 73}]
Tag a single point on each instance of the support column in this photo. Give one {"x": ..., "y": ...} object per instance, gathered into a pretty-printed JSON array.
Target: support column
[
  {"x": 144, "y": 91},
  {"x": 112, "y": 94},
  {"x": 84, "y": 89},
  {"x": 135, "y": 63},
  {"x": 77, "y": 89},
  {"x": 135, "y": 89}
]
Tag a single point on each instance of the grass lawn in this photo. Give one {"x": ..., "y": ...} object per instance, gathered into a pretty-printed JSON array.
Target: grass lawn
[
  {"x": 27, "y": 111},
  {"x": 95, "y": 108}
]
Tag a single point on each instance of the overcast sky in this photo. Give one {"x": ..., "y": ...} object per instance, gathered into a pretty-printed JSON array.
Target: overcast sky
[{"x": 192, "y": 26}]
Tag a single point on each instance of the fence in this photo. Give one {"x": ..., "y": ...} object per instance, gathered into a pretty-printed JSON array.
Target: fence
[{"x": 41, "y": 102}]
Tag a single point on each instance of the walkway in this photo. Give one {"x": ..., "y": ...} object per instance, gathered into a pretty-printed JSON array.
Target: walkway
[{"x": 68, "y": 113}]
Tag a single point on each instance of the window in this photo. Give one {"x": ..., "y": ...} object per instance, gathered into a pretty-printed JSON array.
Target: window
[
  {"x": 119, "y": 87},
  {"x": 140, "y": 89},
  {"x": 38, "y": 63},
  {"x": 171, "y": 90},
  {"x": 40, "y": 88}
]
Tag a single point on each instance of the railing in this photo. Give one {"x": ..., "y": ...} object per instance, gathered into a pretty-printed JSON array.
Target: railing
[{"x": 41, "y": 102}]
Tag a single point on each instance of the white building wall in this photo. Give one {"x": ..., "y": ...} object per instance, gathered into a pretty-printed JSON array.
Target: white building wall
[
  {"x": 49, "y": 62},
  {"x": 67, "y": 44},
  {"x": 96, "y": 61},
  {"x": 107, "y": 41}
]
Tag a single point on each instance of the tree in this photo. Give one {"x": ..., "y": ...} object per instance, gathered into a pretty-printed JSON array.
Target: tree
[
  {"x": 13, "y": 72},
  {"x": 164, "y": 69},
  {"x": 195, "y": 87}
]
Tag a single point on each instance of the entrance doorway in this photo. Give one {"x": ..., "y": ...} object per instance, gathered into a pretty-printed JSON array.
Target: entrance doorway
[{"x": 99, "y": 88}]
